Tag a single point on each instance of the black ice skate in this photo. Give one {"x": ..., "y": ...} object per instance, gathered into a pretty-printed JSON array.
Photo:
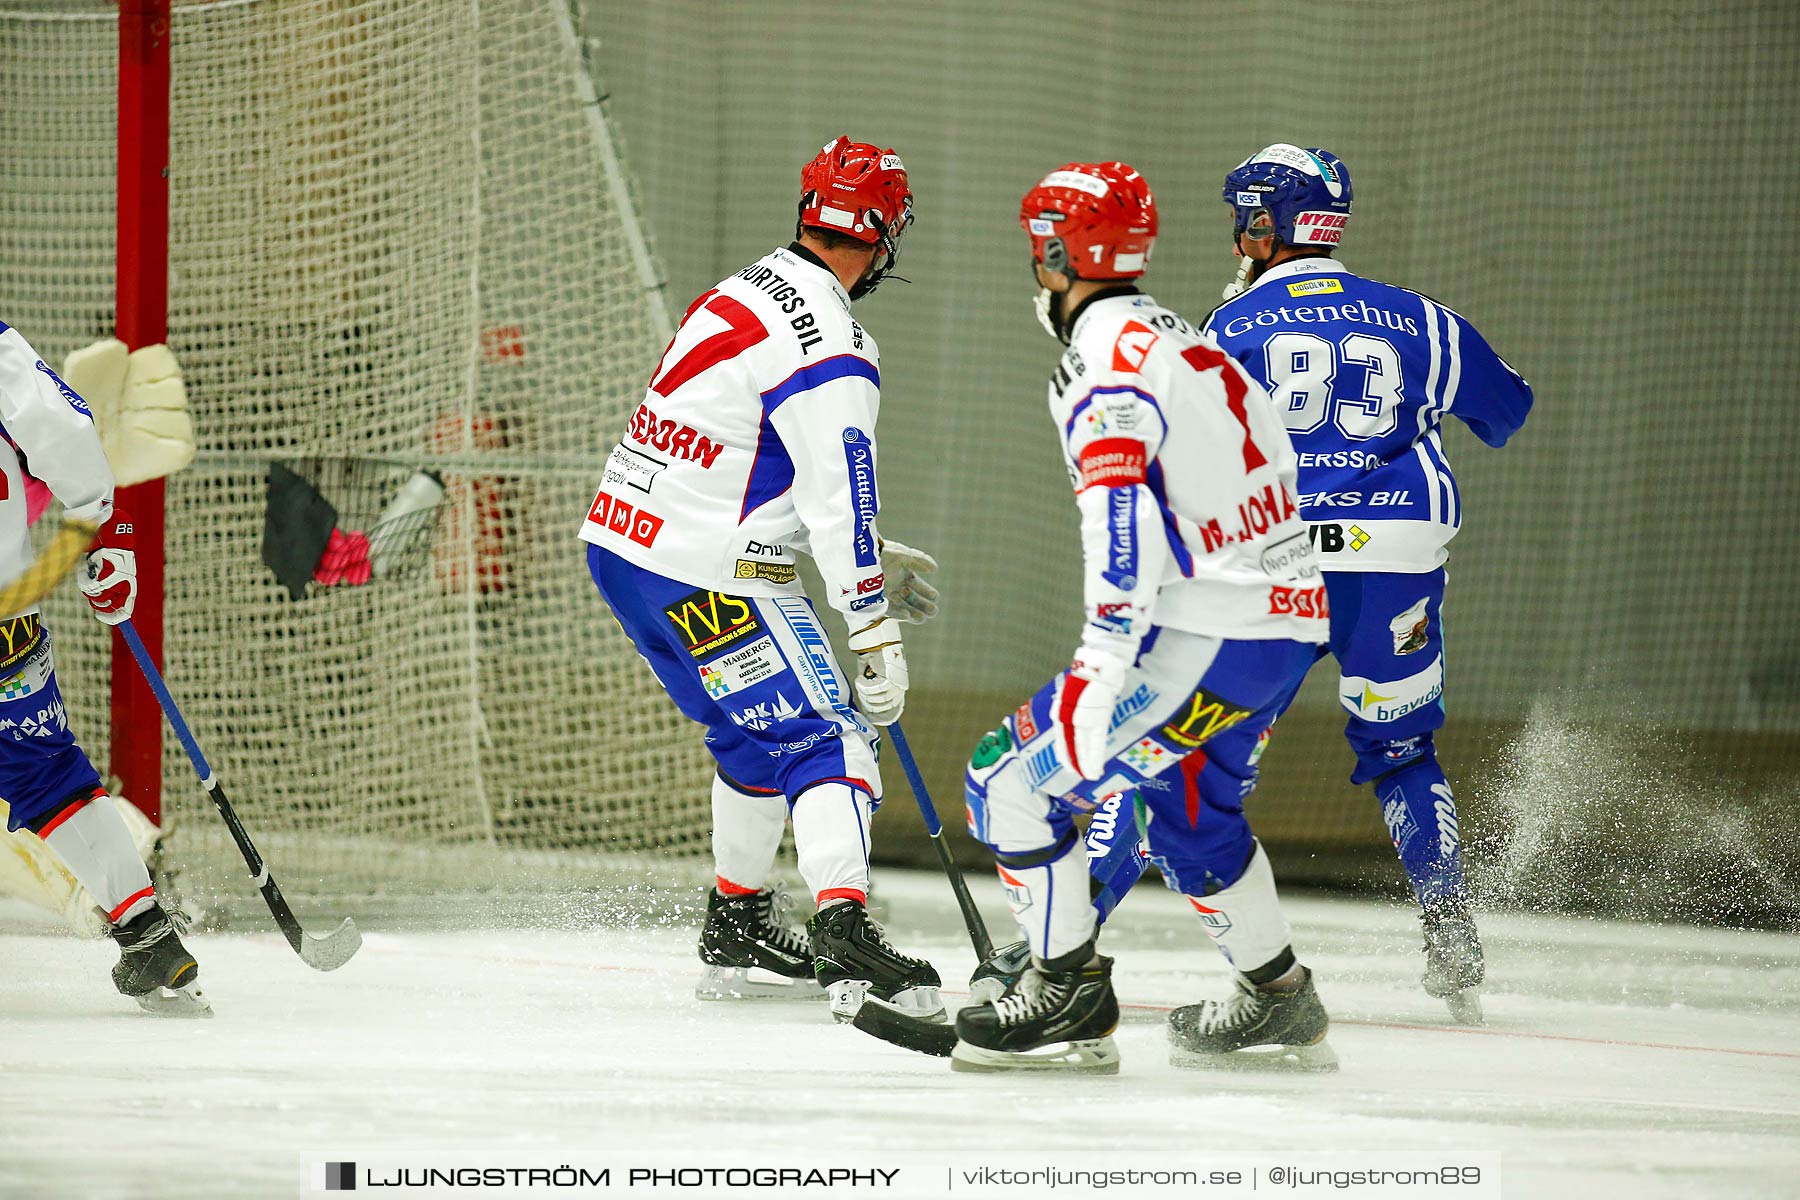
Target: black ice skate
[
  {"x": 1054, "y": 1019},
  {"x": 751, "y": 954},
  {"x": 853, "y": 961},
  {"x": 999, "y": 973},
  {"x": 1255, "y": 1028},
  {"x": 155, "y": 969},
  {"x": 1454, "y": 968}
]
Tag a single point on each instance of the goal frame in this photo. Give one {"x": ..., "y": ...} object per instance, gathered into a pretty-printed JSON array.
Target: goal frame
[{"x": 141, "y": 318}]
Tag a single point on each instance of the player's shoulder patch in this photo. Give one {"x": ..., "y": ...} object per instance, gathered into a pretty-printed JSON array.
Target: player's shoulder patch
[{"x": 1131, "y": 347}]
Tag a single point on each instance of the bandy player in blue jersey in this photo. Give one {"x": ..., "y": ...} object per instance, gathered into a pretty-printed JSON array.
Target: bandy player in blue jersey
[
  {"x": 755, "y": 442},
  {"x": 1363, "y": 374}
]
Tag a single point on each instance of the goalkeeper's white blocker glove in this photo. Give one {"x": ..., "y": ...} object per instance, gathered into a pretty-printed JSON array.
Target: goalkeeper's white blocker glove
[
  {"x": 140, "y": 407},
  {"x": 910, "y": 598},
  {"x": 880, "y": 670},
  {"x": 1090, "y": 692}
]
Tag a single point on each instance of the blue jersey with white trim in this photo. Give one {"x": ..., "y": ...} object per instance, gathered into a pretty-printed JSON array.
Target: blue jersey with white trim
[
  {"x": 755, "y": 441},
  {"x": 1362, "y": 374}
]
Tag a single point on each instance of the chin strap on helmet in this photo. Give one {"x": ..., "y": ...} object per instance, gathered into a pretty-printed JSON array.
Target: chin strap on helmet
[
  {"x": 887, "y": 248},
  {"x": 887, "y": 254}
]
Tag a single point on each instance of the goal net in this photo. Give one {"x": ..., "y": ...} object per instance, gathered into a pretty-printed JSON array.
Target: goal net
[{"x": 399, "y": 239}]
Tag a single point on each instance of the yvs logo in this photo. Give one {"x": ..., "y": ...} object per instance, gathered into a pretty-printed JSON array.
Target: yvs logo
[
  {"x": 1204, "y": 717},
  {"x": 709, "y": 622},
  {"x": 1133, "y": 347},
  {"x": 19, "y": 636}
]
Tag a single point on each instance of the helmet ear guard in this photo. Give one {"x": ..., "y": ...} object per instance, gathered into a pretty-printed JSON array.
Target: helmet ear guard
[
  {"x": 887, "y": 253},
  {"x": 1056, "y": 258},
  {"x": 1258, "y": 223}
]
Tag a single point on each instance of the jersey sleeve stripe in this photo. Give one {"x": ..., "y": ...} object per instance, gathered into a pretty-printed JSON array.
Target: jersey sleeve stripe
[
  {"x": 1431, "y": 374},
  {"x": 1434, "y": 447},
  {"x": 1433, "y": 489},
  {"x": 1454, "y": 328},
  {"x": 771, "y": 472},
  {"x": 1159, "y": 488},
  {"x": 842, "y": 366},
  {"x": 1086, "y": 402}
]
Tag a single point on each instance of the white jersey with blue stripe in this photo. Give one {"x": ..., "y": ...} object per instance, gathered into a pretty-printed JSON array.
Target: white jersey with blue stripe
[
  {"x": 1185, "y": 482},
  {"x": 1362, "y": 375},
  {"x": 46, "y": 427},
  {"x": 755, "y": 441}
]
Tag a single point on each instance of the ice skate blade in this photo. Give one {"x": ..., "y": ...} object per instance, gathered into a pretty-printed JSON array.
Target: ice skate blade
[
  {"x": 1096, "y": 1057},
  {"x": 753, "y": 983},
  {"x": 1465, "y": 1007},
  {"x": 179, "y": 1003},
  {"x": 848, "y": 996},
  {"x": 1317, "y": 1057}
]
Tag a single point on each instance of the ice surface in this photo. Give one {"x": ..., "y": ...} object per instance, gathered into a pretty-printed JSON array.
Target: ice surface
[{"x": 1619, "y": 1059}]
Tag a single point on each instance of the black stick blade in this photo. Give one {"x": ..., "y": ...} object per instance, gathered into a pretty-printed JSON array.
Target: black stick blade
[{"x": 879, "y": 1019}]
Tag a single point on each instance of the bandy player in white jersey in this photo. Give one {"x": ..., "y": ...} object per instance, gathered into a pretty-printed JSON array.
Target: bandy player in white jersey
[
  {"x": 49, "y": 784},
  {"x": 1204, "y": 609},
  {"x": 755, "y": 443}
]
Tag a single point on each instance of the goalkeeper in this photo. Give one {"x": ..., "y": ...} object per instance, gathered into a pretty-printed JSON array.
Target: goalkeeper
[{"x": 52, "y": 789}]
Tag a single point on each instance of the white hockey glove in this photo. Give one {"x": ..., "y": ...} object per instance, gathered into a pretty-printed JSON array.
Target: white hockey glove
[
  {"x": 140, "y": 407},
  {"x": 110, "y": 582},
  {"x": 910, "y": 598},
  {"x": 880, "y": 670},
  {"x": 1090, "y": 693}
]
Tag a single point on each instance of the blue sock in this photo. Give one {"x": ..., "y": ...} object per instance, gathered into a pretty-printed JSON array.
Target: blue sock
[
  {"x": 1113, "y": 839},
  {"x": 1420, "y": 814}
]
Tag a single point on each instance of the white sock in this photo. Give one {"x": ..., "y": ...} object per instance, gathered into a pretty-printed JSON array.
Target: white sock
[
  {"x": 94, "y": 843},
  {"x": 1245, "y": 919},
  {"x": 1051, "y": 904},
  {"x": 831, "y": 837},
  {"x": 746, "y": 835}
]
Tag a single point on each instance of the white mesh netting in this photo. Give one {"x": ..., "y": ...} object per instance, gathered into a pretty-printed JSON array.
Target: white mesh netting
[{"x": 397, "y": 241}]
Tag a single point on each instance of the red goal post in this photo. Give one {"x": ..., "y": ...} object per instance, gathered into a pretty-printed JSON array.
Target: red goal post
[{"x": 142, "y": 318}]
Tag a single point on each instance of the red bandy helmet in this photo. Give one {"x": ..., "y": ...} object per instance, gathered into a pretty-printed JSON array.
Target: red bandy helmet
[
  {"x": 858, "y": 190},
  {"x": 1091, "y": 221}
]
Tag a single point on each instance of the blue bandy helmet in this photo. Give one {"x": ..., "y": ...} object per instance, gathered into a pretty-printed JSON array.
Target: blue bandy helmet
[{"x": 1301, "y": 197}]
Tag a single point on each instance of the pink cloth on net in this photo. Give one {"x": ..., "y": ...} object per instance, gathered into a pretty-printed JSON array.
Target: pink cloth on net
[{"x": 346, "y": 559}]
